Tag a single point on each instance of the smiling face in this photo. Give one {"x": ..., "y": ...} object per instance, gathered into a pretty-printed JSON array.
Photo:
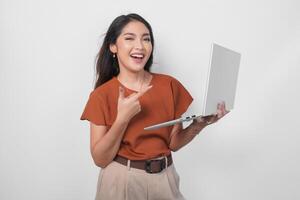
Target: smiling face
[{"x": 133, "y": 46}]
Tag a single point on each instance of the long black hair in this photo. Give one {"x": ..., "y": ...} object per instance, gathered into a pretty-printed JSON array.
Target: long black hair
[{"x": 107, "y": 66}]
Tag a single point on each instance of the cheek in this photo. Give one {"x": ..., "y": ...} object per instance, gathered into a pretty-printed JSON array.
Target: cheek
[
  {"x": 125, "y": 47},
  {"x": 150, "y": 45},
  {"x": 149, "y": 48},
  {"x": 124, "y": 51}
]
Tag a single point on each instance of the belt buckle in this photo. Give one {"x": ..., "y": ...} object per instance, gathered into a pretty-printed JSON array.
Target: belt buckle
[{"x": 148, "y": 165}]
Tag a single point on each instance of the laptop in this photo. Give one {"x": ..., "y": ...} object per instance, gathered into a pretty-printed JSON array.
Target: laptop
[{"x": 220, "y": 85}]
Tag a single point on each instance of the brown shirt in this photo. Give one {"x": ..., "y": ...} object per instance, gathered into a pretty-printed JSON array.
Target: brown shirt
[{"x": 166, "y": 100}]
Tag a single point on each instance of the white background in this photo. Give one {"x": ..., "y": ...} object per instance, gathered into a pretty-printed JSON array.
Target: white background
[{"x": 47, "y": 52}]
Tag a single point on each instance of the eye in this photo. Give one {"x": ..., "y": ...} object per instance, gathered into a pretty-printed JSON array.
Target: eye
[
  {"x": 147, "y": 39},
  {"x": 128, "y": 38}
]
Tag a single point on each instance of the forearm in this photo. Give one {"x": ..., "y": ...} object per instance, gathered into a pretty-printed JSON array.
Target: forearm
[
  {"x": 185, "y": 136},
  {"x": 106, "y": 149}
]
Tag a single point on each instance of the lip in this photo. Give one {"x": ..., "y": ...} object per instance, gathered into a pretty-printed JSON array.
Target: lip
[
  {"x": 141, "y": 54},
  {"x": 137, "y": 60}
]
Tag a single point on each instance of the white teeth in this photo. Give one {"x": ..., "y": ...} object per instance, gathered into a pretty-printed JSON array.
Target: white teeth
[{"x": 138, "y": 55}]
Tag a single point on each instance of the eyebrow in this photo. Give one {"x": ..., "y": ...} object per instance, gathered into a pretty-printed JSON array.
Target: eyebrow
[{"x": 145, "y": 34}]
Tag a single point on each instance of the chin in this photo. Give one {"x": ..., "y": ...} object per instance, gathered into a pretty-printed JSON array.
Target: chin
[{"x": 136, "y": 67}]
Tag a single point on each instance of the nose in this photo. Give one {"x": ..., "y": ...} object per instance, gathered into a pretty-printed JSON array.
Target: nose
[{"x": 139, "y": 44}]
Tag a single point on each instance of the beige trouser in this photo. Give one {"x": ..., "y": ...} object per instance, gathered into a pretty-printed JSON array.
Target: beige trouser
[{"x": 120, "y": 182}]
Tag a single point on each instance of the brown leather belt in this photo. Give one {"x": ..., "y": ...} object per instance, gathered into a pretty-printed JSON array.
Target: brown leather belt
[{"x": 150, "y": 166}]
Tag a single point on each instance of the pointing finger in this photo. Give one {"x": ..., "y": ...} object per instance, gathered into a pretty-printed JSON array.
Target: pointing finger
[
  {"x": 142, "y": 92},
  {"x": 131, "y": 95}
]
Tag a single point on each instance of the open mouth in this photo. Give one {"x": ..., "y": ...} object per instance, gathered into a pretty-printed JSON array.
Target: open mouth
[{"x": 137, "y": 56}]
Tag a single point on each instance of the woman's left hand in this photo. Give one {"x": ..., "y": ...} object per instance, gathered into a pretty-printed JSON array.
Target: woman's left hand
[{"x": 221, "y": 112}]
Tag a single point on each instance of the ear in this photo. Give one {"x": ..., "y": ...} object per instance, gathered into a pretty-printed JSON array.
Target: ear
[{"x": 113, "y": 48}]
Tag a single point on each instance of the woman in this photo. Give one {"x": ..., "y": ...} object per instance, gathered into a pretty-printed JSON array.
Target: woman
[{"x": 136, "y": 164}]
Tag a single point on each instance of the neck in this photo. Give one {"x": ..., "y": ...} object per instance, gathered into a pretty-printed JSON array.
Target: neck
[{"x": 132, "y": 78}]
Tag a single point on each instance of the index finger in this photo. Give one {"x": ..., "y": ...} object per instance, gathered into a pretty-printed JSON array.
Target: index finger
[{"x": 142, "y": 92}]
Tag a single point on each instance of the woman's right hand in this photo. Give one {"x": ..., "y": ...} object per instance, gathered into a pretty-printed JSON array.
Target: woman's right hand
[{"x": 129, "y": 106}]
